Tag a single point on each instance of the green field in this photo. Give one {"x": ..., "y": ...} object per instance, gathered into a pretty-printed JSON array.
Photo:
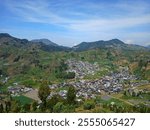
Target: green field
[{"x": 23, "y": 99}]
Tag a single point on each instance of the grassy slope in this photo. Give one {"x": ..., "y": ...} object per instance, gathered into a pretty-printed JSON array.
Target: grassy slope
[{"x": 35, "y": 65}]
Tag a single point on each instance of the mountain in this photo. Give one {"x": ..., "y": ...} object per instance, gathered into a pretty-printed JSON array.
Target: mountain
[
  {"x": 98, "y": 44},
  {"x": 7, "y": 40},
  {"x": 110, "y": 44},
  {"x": 4, "y": 35},
  {"x": 148, "y": 46},
  {"x": 25, "y": 61},
  {"x": 45, "y": 41},
  {"x": 50, "y": 48},
  {"x": 48, "y": 45},
  {"x": 28, "y": 65},
  {"x": 21, "y": 56}
]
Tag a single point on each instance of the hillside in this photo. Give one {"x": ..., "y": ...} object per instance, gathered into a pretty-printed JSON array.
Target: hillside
[
  {"x": 6, "y": 39},
  {"x": 45, "y": 41},
  {"x": 114, "y": 43},
  {"x": 106, "y": 68},
  {"x": 19, "y": 55}
]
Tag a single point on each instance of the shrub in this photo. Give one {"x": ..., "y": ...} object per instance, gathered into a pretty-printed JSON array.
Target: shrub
[
  {"x": 89, "y": 105},
  {"x": 58, "y": 107}
]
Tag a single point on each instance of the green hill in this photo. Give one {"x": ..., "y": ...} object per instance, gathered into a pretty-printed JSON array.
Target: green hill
[
  {"x": 26, "y": 66},
  {"x": 28, "y": 62}
]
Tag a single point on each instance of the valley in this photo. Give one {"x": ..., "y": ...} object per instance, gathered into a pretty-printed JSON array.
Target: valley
[{"x": 101, "y": 76}]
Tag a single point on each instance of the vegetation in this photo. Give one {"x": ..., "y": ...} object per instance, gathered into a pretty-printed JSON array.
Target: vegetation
[
  {"x": 88, "y": 105},
  {"x": 71, "y": 95},
  {"x": 23, "y": 99},
  {"x": 43, "y": 93},
  {"x": 37, "y": 66}
]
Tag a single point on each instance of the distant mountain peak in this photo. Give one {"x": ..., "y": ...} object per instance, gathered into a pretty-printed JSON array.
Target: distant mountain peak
[
  {"x": 98, "y": 44},
  {"x": 116, "y": 41},
  {"x": 5, "y": 35},
  {"x": 45, "y": 41}
]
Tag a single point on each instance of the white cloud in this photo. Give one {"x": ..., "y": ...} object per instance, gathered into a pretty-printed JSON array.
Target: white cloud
[
  {"x": 108, "y": 24},
  {"x": 140, "y": 38},
  {"x": 91, "y": 25},
  {"x": 40, "y": 12},
  {"x": 129, "y": 41}
]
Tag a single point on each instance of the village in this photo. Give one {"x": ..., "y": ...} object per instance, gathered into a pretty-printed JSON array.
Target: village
[
  {"x": 114, "y": 82},
  {"x": 81, "y": 68}
]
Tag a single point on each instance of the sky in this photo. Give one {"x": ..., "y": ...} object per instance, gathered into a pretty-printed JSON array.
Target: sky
[{"x": 69, "y": 22}]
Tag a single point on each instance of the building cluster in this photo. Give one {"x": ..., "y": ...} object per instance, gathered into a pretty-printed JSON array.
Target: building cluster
[
  {"x": 112, "y": 83},
  {"x": 17, "y": 90},
  {"x": 81, "y": 68}
]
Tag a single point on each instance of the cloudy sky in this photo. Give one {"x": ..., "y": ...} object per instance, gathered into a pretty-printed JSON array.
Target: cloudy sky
[{"x": 69, "y": 22}]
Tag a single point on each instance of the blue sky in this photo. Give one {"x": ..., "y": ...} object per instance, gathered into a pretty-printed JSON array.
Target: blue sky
[{"x": 69, "y": 22}]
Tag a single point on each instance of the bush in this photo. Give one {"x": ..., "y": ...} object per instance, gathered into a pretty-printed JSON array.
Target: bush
[
  {"x": 58, "y": 107},
  {"x": 65, "y": 75},
  {"x": 34, "y": 106},
  {"x": 89, "y": 105},
  {"x": 69, "y": 75},
  {"x": 53, "y": 101},
  {"x": 68, "y": 108}
]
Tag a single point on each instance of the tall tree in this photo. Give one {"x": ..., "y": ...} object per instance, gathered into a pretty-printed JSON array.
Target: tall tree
[
  {"x": 34, "y": 106},
  {"x": 53, "y": 101},
  {"x": 15, "y": 106},
  {"x": 7, "y": 106},
  {"x": 71, "y": 95},
  {"x": 1, "y": 108},
  {"x": 43, "y": 93}
]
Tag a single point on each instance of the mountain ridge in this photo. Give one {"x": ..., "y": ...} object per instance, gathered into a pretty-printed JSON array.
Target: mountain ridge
[
  {"x": 7, "y": 39},
  {"x": 48, "y": 45},
  {"x": 45, "y": 41},
  {"x": 113, "y": 43}
]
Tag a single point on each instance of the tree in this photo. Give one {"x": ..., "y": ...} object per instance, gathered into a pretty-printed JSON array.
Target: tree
[
  {"x": 34, "y": 106},
  {"x": 70, "y": 75},
  {"x": 1, "y": 72},
  {"x": 26, "y": 108},
  {"x": 43, "y": 93},
  {"x": 71, "y": 95},
  {"x": 8, "y": 106},
  {"x": 53, "y": 101},
  {"x": 58, "y": 107},
  {"x": 1, "y": 84},
  {"x": 63, "y": 66},
  {"x": 142, "y": 108},
  {"x": 82, "y": 58},
  {"x": 133, "y": 94},
  {"x": 142, "y": 63},
  {"x": 125, "y": 93},
  {"x": 88, "y": 105},
  {"x": 109, "y": 55},
  {"x": 16, "y": 106},
  {"x": 68, "y": 108},
  {"x": 1, "y": 108}
]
